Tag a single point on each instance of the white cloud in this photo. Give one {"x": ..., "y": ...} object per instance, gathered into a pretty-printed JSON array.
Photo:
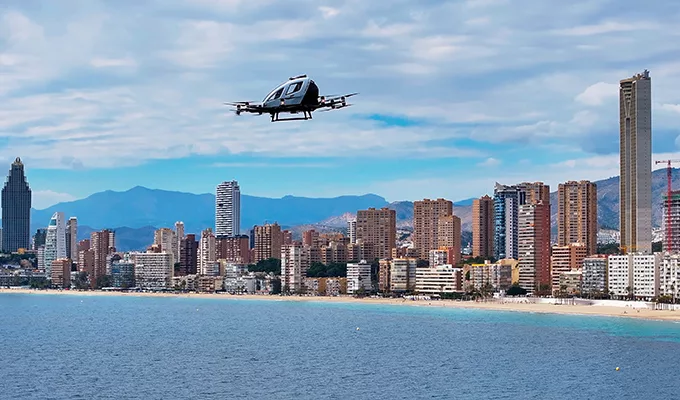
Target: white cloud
[
  {"x": 45, "y": 198},
  {"x": 489, "y": 162},
  {"x": 114, "y": 86},
  {"x": 598, "y": 93},
  {"x": 112, "y": 62}
]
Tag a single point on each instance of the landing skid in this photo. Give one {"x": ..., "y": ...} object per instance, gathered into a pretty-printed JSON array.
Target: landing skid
[{"x": 307, "y": 115}]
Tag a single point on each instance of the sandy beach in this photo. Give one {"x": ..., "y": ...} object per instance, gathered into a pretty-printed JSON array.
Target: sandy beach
[{"x": 609, "y": 311}]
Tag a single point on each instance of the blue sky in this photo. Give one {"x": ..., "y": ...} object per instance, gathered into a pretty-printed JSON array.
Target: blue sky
[{"x": 455, "y": 95}]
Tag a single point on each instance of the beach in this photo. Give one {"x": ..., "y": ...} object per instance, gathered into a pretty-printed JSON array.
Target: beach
[{"x": 596, "y": 310}]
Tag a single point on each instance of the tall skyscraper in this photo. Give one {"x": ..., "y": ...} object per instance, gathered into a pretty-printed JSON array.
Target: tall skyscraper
[
  {"x": 55, "y": 241},
  {"x": 378, "y": 228},
  {"x": 72, "y": 239},
  {"x": 102, "y": 244},
  {"x": 534, "y": 246},
  {"x": 635, "y": 114},
  {"x": 577, "y": 215},
  {"x": 675, "y": 221},
  {"x": 227, "y": 209},
  {"x": 426, "y": 214},
  {"x": 207, "y": 252},
  {"x": 166, "y": 239},
  {"x": 482, "y": 227},
  {"x": 16, "y": 210},
  {"x": 188, "y": 255},
  {"x": 507, "y": 200}
]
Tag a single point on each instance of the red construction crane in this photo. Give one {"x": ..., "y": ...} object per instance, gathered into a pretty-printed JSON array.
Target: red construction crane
[{"x": 669, "y": 176}]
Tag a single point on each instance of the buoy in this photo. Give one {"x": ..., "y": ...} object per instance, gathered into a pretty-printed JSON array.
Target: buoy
[
  {"x": 617, "y": 368},
  {"x": 357, "y": 328}
]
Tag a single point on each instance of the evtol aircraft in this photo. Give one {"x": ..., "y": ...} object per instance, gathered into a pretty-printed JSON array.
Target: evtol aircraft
[{"x": 297, "y": 95}]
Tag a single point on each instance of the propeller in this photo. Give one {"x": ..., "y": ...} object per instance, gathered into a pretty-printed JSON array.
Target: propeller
[{"x": 339, "y": 106}]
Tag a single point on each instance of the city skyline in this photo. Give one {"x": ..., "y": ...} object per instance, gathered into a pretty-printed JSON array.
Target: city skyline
[{"x": 401, "y": 133}]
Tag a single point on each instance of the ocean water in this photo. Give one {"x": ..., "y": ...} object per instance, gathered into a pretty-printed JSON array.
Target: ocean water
[{"x": 100, "y": 347}]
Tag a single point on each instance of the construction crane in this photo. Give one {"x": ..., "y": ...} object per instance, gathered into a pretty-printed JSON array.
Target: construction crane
[{"x": 669, "y": 176}]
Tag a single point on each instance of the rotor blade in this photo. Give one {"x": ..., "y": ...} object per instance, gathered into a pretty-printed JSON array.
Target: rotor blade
[
  {"x": 240, "y": 103},
  {"x": 336, "y": 107}
]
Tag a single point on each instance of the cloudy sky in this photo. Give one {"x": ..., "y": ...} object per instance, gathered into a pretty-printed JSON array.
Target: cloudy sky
[{"x": 455, "y": 95}]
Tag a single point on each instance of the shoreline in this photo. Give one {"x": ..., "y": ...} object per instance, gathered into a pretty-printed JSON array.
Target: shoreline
[{"x": 545, "y": 308}]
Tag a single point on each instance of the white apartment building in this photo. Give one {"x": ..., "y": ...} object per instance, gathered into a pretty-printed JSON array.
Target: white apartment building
[
  {"x": 635, "y": 274},
  {"x": 166, "y": 239},
  {"x": 403, "y": 274},
  {"x": 439, "y": 279},
  {"x": 669, "y": 276},
  {"x": 294, "y": 266},
  {"x": 359, "y": 276},
  {"x": 55, "y": 242},
  {"x": 352, "y": 231},
  {"x": 594, "y": 276},
  {"x": 207, "y": 252},
  {"x": 498, "y": 275},
  {"x": 227, "y": 209},
  {"x": 438, "y": 257},
  {"x": 153, "y": 270}
]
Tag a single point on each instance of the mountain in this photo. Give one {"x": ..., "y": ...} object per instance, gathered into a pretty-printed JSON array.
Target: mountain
[
  {"x": 135, "y": 213},
  {"x": 141, "y": 207}
]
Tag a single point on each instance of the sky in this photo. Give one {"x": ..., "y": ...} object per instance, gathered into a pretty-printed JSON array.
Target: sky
[{"x": 454, "y": 95}]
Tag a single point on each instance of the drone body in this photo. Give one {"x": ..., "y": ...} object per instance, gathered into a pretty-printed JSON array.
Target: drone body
[{"x": 297, "y": 95}]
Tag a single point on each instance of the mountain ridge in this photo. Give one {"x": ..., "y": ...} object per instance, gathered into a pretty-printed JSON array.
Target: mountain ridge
[{"x": 143, "y": 209}]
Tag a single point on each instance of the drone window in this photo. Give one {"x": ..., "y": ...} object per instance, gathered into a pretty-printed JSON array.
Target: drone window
[
  {"x": 292, "y": 88},
  {"x": 277, "y": 94}
]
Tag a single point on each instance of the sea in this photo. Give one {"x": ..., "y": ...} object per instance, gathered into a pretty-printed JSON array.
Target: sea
[{"x": 126, "y": 347}]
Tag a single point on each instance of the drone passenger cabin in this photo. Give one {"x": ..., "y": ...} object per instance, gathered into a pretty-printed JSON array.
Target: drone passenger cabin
[{"x": 298, "y": 91}]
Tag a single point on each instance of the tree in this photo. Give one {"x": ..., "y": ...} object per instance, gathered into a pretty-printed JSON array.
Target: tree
[
  {"x": 104, "y": 281},
  {"x": 270, "y": 265},
  {"x": 516, "y": 290},
  {"x": 81, "y": 281},
  {"x": 609, "y": 248}
]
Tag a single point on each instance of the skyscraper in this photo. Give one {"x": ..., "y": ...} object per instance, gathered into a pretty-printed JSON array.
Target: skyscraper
[
  {"x": 426, "y": 214},
  {"x": 378, "y": 228},
  {"x": 507, "y": 201},
  {"x": 482, "y": 227},
  {"x": 534, "y": 246},
  {"x": 635, "y": 118},
  {"x": 16, "y": 210},
  {"x": 577, "y": 215},
  {"x": 55, "y": 241},
  {"x": 227, "y": 209},
  {"x": 72, "y": 238}
]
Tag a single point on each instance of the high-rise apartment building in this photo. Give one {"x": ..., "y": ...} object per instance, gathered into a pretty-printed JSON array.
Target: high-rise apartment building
[
  {"x": 16, "y": 210},
  {"x": 39, "y": 238},
  {"x": 675, "y": 222},
  {"x": 566, "y": 259},
  {"x": 188, "y": 255},
  {"x": 166, "y": 239},
  {"x": 102, "y": 244},
  {"x": 352, "y": 231},
  {"x": 207, "y": 252},
  {"x": 507, "y": 201},
  {"x": 72, "y": 238},
  {"x": 268, "y": 240},
  {"x": 482, "y": 227},
  {"x": 55, "y": 241},
  {"x": 294, "y": 266},
  {"x": 227, "y": 209},
  {"x": 635, "y": 118},
  {"x": 378, "y": 228},
  {"x": 577, "y": 214},
  {"x": 449, "y": 232},
  {"x": 234, "y": 249},
  {"x": 426, "y": 214},
  {"x": 534, "y": 246},
  {"x": 179, "y": 235}
]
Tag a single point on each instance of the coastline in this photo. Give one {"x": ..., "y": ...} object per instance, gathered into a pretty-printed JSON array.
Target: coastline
[{"x": 592, "y": 310}]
